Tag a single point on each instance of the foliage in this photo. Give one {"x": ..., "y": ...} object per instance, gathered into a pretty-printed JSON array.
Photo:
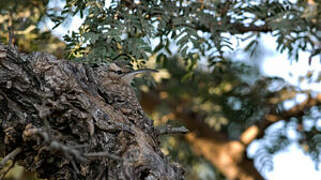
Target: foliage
[
  {"x": 197, "y": 28},
  {"x": 190, "y": 41},
  {"x": 19, "y": 23}
]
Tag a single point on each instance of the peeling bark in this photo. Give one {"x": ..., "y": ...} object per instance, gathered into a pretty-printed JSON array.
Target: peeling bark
[{"x": 74, "y": 121}]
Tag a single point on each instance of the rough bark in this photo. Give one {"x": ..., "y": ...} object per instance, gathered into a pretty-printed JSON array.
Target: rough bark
[{"x": 68, "y": 120}]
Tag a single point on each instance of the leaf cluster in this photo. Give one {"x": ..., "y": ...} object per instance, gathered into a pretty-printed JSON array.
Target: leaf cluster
[{"x": 133, "y": 30}]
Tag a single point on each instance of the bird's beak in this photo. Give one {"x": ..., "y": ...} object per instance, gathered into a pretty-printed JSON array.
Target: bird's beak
[{"x": 128, "y": 77}]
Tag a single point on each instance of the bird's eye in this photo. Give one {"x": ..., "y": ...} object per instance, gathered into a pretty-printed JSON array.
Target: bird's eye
[{"x": 119, "y": 72}]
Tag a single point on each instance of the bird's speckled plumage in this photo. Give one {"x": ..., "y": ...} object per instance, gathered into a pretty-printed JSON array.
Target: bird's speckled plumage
[{"x": 117, "y": 81}]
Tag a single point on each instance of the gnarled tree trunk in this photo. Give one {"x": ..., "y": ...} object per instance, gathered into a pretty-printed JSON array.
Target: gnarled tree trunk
[{"x": 68, "y": 120}]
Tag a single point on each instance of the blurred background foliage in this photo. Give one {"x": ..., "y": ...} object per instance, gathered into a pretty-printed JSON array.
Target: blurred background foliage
[
  {"x": 225, "y": 101},
  {"x": 23, "y": 18}
]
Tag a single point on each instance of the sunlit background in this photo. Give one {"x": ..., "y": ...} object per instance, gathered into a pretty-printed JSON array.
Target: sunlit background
[{"x": 291, "y": 163}]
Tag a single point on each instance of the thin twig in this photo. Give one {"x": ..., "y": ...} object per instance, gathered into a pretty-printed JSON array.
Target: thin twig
[
  {"x": 75, "y": 166},
  {"x": 101, "y": 173},
  {"x": 6, "y": 172},
  {"x": 11, "y": 155},
  {"x": 102, "y": 154},
  {"x": 163, "y": 130},
  {"x": 69, "y": 152},
  {"x": 11, "y": 30}
]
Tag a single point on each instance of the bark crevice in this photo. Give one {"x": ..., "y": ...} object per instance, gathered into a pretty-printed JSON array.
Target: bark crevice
[{"x": 74, "y": 121}]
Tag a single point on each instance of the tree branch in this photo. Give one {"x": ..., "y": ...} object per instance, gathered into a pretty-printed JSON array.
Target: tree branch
[
  {"x": 257, "y": 130},
  {"x": 10, "y": 156},
  {"x": 164, "y": 130},
  {"x": 213, "y": 145},
  {"x": 237, "y": 28},
  {"x": 297, "y": 111}
]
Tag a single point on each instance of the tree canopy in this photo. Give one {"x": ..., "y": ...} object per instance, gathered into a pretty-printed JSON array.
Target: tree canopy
[{"x": 224, "y": 102}]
